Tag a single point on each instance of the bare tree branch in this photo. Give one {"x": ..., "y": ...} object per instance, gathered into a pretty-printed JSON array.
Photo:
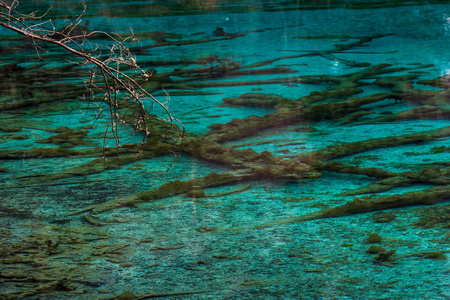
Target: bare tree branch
[{"x": 73, "y": 39}]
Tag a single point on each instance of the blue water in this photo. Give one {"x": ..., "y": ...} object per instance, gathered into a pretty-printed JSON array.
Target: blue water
[{"x": 78, "y": 222}]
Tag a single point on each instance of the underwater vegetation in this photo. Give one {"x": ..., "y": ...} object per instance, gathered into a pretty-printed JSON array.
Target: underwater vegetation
[{"x": 84, "y": 218}]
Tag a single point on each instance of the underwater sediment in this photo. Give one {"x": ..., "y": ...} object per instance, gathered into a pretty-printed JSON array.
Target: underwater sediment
[{"x": 311, "y": 181}]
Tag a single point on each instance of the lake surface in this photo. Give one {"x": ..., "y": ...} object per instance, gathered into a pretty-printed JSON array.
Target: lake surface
[{"x": 281, "y": 150}]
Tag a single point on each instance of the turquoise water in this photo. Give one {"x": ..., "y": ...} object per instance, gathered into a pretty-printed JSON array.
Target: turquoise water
[{"x": 313, "y": 164}]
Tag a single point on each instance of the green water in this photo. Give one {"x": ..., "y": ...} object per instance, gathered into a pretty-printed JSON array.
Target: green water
[{"x": 293, "y": 150}]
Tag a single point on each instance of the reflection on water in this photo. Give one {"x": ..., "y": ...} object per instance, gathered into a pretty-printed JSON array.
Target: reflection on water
[{"x": 313, "y": 163}]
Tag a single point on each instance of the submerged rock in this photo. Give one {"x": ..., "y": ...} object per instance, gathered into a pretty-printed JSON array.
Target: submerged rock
[
  {"x": 126, "y": 296},
  {"x": 373, "y": 238},
  {"x": 374, "y": 249}
]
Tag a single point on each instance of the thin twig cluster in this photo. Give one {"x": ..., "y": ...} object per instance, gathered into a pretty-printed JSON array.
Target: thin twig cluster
[{"x": 110, "y": 80}]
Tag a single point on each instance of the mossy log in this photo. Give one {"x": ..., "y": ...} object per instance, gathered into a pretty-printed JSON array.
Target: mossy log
[
  {"x": 301, "y": 110},
  {"x": 357, "y": 206},
  {"x": 430, "y": 175},
  {"x": 266, "y": 165},
  {"x": 335, "y": 166},
  {"x": 389, "y": 180},
  {"x": 99, "y": 165},
  {"x": 240, "y": 128},
  {"x": 327, "y": 54},
  {"x": 66, "y": 152},
  {"x": 168, "y": 189},
  {"x": 336, "y": 151},
  {"x": 441, "y": 82},
  {"x": 256, "y": 99},
  {"x": 424, "y": 112}
]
